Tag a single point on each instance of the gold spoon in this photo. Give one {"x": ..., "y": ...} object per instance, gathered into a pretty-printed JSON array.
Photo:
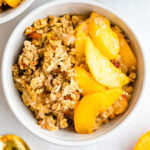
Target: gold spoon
[{"x": 12, "y": 142}]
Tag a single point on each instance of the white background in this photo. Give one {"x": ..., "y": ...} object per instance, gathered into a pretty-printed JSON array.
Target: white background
[{"x": 138, "y": 13}]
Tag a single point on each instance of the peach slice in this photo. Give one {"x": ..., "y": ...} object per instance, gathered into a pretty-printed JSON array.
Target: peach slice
[
  {"x": 102, "y": 69},
  {"x": 125, "y": 51},
  {"x": 121, "y": 105},
  {"x": 102, "y": 35},
  {"x": 144, "y": 142},
  {"x": 86, "y": 82},
  {"x": 12, "y": 3},
  {"x": 90, "y": 106},
  {"x": 81, "y": 35}
]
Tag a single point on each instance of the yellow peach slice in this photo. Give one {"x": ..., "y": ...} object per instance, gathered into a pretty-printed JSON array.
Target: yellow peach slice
[
  {"x": 144, "y": 142},
  {"x": 12, "y": 3},
  {"x": 90, "y": 106},
  {"x": 97, "y": 16},
  {"x": 102, "y": 69},
  {"x": 10, "y": 142},
  {"x": 81, "y": 35},
  {"x": 86, "y": 82},
  {"x": 102, "y": 35},
  {"x": 126, "y": 53}
]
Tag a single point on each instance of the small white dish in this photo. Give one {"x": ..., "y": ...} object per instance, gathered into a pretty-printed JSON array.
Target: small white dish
[
  {"x": 12, "y": 50},
  {"x": 14, "y": 12}
]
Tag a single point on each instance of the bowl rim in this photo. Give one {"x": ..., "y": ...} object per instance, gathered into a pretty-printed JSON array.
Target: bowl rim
[
  {"x": 16, "y": 12},
  {"x": 121, "y": 124}
]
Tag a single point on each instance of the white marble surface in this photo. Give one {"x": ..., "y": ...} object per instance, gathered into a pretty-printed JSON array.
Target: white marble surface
[{"x": 138, "y": 13}]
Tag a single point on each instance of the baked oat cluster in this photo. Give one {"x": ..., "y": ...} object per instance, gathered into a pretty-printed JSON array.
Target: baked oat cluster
[
  {"x": 45, "y": 74},
  {"x": 45, "y": 71}
]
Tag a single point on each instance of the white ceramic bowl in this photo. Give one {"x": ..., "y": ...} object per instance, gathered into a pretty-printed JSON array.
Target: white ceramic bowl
[
  {"x": 14, "y": 12},
  {"x": 13, "y": 48}
]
